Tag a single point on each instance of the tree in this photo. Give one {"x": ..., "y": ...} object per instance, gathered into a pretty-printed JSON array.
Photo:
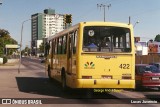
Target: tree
[
  {"x": 157, "y": 38},
  {"x": 4, "y": 33},
  {"x": 44, "y": 48},
  {"x": 41, "y": 47},
  {"x": 26, "y": 51},
  {"x": 5, "y": 38}
]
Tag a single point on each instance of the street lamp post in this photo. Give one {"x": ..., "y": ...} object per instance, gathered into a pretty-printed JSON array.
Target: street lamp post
[
  {"x": 20, "y": 58},
  {"x": 135, "y": 24}
]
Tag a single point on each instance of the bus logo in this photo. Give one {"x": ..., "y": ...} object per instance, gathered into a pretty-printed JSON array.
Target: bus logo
[{"x": 89, "y": 65}]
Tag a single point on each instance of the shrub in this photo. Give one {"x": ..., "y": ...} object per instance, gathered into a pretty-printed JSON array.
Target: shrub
[{"x": 5, "y": 59}]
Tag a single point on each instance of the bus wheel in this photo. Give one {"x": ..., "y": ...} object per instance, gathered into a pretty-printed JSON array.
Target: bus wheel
[
  {"x": 49, "y": 72},
  {"x": 63, "y": 78}
]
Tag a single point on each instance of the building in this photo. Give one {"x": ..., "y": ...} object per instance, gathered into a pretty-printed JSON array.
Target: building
[
  {"x": 141, "y": 48},
  {"x": 44, "y": 25}
]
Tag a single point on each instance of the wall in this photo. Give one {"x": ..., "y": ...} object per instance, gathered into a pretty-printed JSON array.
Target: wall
[{"x": 146, "y": 59}]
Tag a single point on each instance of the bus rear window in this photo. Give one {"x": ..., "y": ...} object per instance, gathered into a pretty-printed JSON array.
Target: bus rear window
[{"x": 106, "y": 39}]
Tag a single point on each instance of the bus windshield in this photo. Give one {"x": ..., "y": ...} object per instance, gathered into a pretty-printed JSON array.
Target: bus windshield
[{"x": 106, "y": 39}]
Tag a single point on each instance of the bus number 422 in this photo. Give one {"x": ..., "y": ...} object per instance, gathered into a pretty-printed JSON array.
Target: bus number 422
[{"x": 124, "y": 66}]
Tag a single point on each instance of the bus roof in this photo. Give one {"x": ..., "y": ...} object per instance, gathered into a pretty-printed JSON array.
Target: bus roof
[
  {"x": 90, "y": 24},
  {"x": 64, "y": 31},
  {"x": 107, "y": 23}
]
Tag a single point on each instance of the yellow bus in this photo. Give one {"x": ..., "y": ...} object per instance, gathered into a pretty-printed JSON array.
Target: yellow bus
[{"x": 93, "y": 55}]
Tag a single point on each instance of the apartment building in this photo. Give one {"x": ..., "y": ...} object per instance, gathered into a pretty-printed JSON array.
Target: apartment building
[{"x": 44, "y": 25}]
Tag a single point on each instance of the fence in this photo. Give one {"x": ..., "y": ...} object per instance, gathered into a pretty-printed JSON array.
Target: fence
[{"x": 146, "y": 59}]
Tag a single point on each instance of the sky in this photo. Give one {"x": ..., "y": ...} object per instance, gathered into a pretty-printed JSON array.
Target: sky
[{"x": 147, "y": 12}]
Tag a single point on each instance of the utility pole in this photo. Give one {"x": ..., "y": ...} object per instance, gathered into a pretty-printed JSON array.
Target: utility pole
[
  {"x": 104, "y": 9},
  {"x": 20, "y": 56}
]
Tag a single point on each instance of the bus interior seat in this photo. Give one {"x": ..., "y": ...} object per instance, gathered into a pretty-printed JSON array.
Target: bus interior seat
[
  {"x": 90, "y": 49},
  {"x": 117, "y": 50},
  {"x": 85, "y": 49},
  {"x": 105, "y": 49}
]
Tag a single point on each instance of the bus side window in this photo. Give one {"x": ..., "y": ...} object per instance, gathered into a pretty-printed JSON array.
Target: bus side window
[
  {"x": 55, "y": 46},
  {"x": 74, "y": 39},
  {"x": 64, "y": 41},
  {"x": 70, "y": 45},
  {"x": 59, "y": 45}
]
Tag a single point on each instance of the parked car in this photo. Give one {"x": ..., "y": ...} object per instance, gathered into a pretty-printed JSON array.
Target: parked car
[
  {"x": 156, "y": 64},
  {"x": 147, "y": 76}
]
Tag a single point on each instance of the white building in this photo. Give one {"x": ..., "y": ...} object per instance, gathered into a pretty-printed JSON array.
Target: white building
[
  {"x": 44, "y": 25},
  {"x": 52, "y": 24},
  {"x": 141, "y": 48}
]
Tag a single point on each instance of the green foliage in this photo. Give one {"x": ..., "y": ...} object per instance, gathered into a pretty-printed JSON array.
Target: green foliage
[
  {"x": 5, "y": 38},
  {"x": 26, "y": 51},
  {"x": 157, "y": 38},
  {"x": 41, "y": 47},
  {"x": 5, "y": 60},
  {"x": 4, "y": 33}
]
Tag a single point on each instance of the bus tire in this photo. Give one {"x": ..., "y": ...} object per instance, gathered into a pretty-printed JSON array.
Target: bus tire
[
  {"x": 63, "y": 78},
  {"x": 49, "y": 72}
]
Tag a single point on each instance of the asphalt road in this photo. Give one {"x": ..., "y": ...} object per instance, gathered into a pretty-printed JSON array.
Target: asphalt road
[{"x": 32, "y": 82}]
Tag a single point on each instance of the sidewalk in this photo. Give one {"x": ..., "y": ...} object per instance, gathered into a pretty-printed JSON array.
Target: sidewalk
[{"x": 11, "y": 66}]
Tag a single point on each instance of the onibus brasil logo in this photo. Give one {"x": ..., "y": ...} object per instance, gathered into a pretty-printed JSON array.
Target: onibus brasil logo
[{"x": 89, "y": 65}]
